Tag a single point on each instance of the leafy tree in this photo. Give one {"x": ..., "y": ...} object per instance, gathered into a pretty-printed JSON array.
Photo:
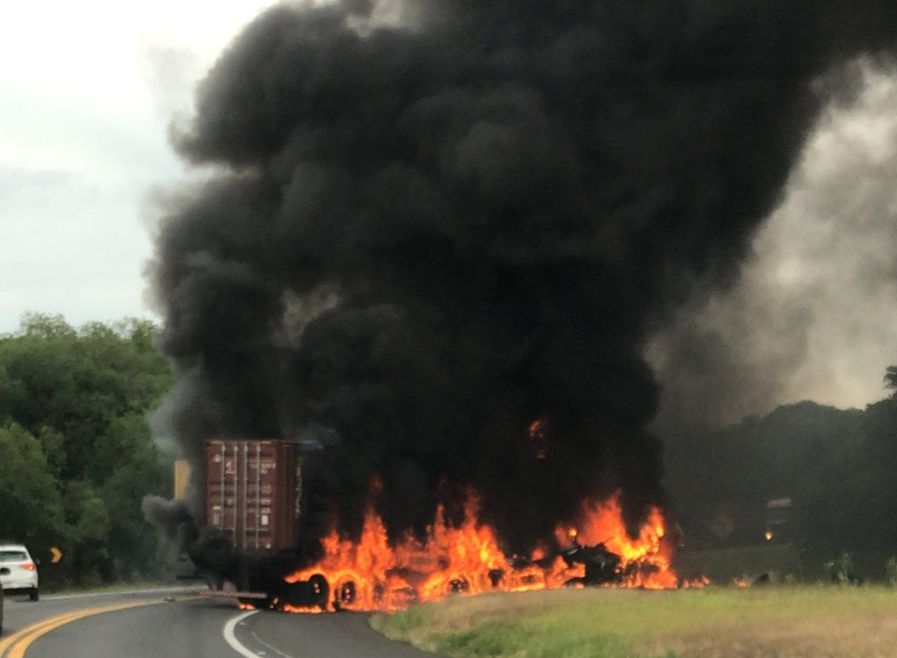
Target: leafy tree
[
  {"x": 836, "y": 465},
  {"x": 30, "y": 501},
  {"x": 891, "y": 379},
  {"x": 73, "y": 413},
  {"x": 89, "y": 519}
]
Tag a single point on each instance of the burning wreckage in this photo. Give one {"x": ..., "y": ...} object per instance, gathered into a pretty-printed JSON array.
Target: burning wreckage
[
  {"x": 426, "y": 224},
  {"x": 255, "y": 503}
]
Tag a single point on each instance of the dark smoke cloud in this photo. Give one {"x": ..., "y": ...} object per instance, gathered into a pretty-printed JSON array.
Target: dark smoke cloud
[
  {"x": 172, "y": 518},
  {"x": 501, "y": 201},
  {"x": 813, "y": 315}
]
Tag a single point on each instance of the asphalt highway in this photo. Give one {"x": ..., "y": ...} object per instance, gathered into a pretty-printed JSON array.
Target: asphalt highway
[{"x": 152, "y": 625}]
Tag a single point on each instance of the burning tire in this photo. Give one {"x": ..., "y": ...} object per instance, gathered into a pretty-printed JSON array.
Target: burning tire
[
  {"x": 345, "y": 596},
  {"x": 459, "y": 585},
  {"x": 311, "y": 593},
  {"x": 320, "y": 590}
]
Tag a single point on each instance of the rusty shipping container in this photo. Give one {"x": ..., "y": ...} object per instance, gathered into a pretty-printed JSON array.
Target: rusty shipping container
[{"x": 254, "y": 493}]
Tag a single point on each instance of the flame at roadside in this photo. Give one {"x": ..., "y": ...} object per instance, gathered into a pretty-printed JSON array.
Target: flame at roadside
[
  {"x": 373, "y": 574},
  {"x": 645, "y": 561}
]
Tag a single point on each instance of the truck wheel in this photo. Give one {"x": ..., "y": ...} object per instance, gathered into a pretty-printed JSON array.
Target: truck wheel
[
  {"x": 347, "y": 594},
  {"x": 321, "y": 589}
]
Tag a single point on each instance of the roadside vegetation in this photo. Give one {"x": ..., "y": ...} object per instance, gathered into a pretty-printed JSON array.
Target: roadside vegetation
[
  {"x": 836, "y": 468},
  {"x": 715, "y": 622},
  {"x": 76, "y": 456}
]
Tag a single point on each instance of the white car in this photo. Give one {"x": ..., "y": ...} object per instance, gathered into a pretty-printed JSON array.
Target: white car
[{"x": 22, "y": 576}]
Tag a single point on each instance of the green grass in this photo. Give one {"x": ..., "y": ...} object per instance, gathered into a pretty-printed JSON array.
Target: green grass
[{"x": 600, "y": 623}]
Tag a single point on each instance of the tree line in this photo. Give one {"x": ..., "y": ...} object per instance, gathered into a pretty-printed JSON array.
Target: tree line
[
  {"x": 76, "y": 455},
  {"x": 837, "y": 468}
]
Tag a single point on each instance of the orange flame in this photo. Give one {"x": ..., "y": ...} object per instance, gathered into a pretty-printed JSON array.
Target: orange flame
[
  {"x": 303, "y": 610},
  {"x": 537, "y": 434},
  {"x": 646, "y": 561},
  {"x": 372, "y": 574}
]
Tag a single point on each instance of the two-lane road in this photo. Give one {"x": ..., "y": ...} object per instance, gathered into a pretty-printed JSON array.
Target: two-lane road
[
  {"x": 147, "y": 626},
  {"x": 20, "y": 612}
]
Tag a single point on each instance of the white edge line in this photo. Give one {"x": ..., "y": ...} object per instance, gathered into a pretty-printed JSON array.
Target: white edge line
[{"x": 231, "y": 638}]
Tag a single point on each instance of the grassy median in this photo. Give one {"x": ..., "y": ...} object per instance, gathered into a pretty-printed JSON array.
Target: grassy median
[{"x": 784, "y": 622}]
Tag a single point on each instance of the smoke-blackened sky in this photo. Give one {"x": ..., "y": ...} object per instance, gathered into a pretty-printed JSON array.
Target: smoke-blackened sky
[
  {"x": 428, "y": 224},
  {"x": 813, "y": 315}
]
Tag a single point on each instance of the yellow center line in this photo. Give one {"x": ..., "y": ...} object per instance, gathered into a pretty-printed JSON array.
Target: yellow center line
[
  {"x": 4, "y": 643},
  {"x": 16, "y": 645}
]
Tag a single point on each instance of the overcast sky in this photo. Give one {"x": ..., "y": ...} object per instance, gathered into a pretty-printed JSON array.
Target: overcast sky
[{"x": 88, "y": 89}]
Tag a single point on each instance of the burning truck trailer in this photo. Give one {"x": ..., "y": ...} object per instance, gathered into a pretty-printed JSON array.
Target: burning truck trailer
[
  {"x": 254, "y": 504},
  {"x": 255, "y": 510}
]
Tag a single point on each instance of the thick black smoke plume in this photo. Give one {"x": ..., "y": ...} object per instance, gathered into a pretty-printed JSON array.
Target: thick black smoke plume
[{"x": 426, "y": 231}]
